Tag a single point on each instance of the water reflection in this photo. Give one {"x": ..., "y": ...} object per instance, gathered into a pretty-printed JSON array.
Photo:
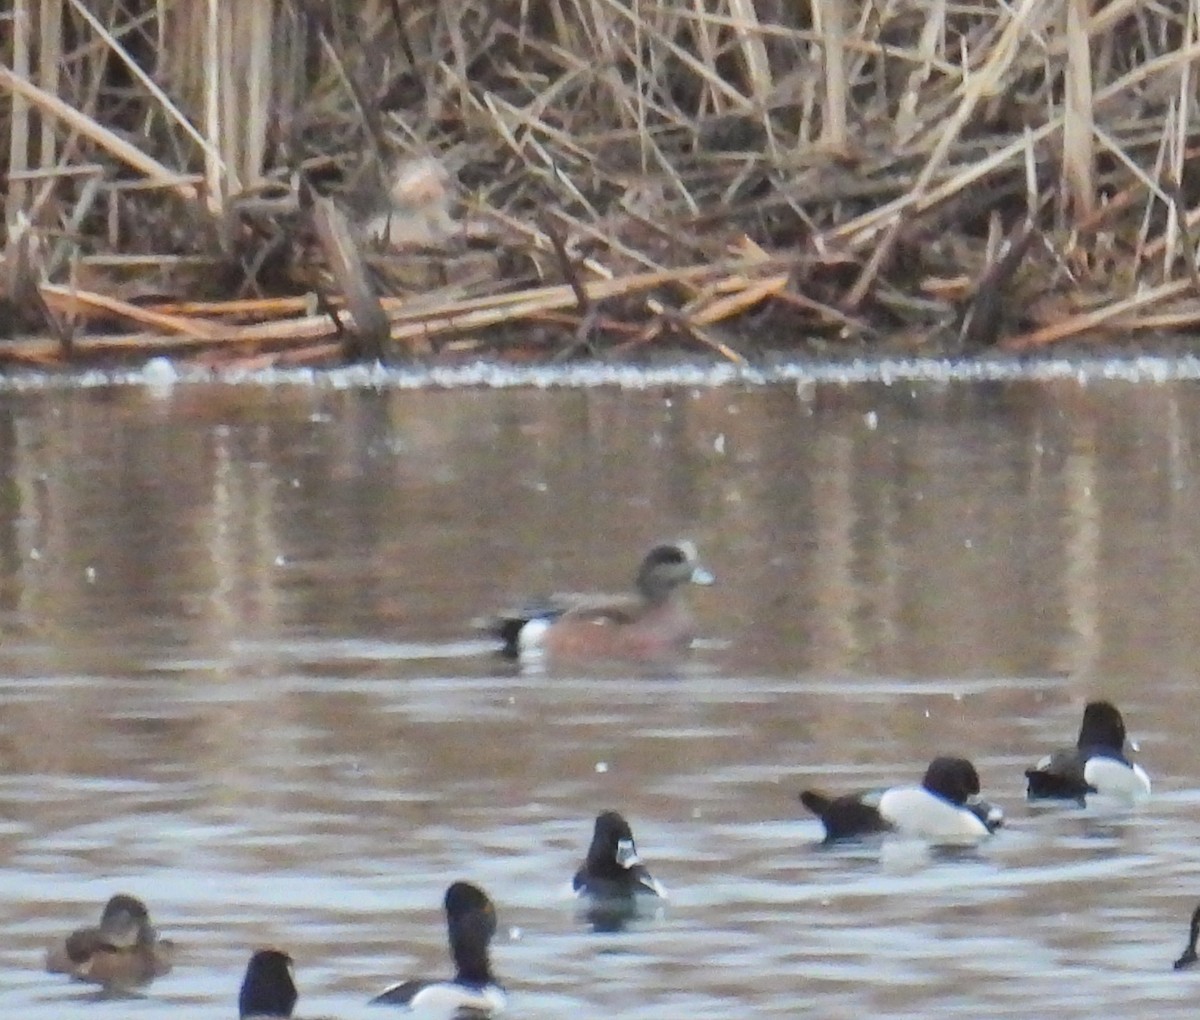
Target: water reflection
[{"x": 240, "y": 679}]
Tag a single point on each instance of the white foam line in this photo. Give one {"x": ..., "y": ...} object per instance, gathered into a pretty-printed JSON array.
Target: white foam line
[{"x": 497, "y": 375}]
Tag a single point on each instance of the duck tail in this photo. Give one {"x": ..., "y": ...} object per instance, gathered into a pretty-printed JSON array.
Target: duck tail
[
  {"x": 508, "y": 630},
  {"x": 816, "y": 802},
  {"x": 1189, "y": 953}
]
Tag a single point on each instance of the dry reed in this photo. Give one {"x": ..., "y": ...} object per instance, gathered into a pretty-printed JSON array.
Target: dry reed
[{"x": 553, "y": 176}]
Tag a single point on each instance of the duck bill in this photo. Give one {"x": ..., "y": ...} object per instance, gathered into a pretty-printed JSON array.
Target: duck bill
[
  {"x": 126, "y": 935},
  {"x": 702, "y": 576},
  {"x": 627, "y": 855},
  {"x": 987, "y": 812}
]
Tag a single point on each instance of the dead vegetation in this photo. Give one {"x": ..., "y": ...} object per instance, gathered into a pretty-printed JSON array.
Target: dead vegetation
[{"x": 305, "y": 181}]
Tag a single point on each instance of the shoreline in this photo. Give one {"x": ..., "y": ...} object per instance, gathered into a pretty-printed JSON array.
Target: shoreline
[{"x": 161, "y": 376}]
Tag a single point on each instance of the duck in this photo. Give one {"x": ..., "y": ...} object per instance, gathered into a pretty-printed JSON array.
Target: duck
[
  {"x": 269, "y": 987},
  {"x": 612, "y": 880},
  {"x": 612, "y": 869},
  {"x": 650, "y": 623},
  {"x": 122, "y": 951},
  {"x": 945, "y": 808},
  {"x": 1189, "y": 952},
  {"x": 1095, "y": 765},
  {"x": 471, "y": 920}
]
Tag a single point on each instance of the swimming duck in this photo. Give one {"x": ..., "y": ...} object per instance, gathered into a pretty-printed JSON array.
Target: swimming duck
[
  {"x": 122, "y": 951},
  {"x": 269, "y": 987},
  {"x": 945, "y": 808},
  {"x": 471, "y": 920},
  {"x": 612, "y": 880},
  {"x": 1096, "y": 764},
  {"x": 652, "y": 622},
  {"x": 1189, "y": 952},
  {"x": 613, "y": 869}
]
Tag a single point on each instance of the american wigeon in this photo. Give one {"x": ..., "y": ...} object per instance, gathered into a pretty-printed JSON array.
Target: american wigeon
[
  {"x": 269, "y": 987},
  {"x": 651, "y": 622},
  {"x": 944, "y": 809},
  {"x": 1095, "y": 765},
  {"x": 471, "y": 921},
  {"x": 122, "y": 951}
]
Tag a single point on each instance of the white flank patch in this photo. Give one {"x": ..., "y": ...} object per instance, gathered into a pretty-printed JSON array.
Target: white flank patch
[
  {"x": 446, "y": 996},
  {"x": 531, "y": 637},
  {"x": 1112, "y": 778},
  {"x": 915, "y": 811},
  {"x": 651, "y": 884}
]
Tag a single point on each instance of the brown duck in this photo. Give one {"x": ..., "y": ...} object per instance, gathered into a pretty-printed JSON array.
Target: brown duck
[
  {"x": 122, "y": 951},
  {"x": 650, "y": 623}
]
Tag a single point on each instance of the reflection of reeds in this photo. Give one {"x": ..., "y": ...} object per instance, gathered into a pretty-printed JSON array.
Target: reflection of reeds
[{"x": 599, "y": 140}]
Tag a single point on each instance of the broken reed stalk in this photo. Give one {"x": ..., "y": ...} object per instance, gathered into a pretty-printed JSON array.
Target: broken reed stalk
[
  {"x": 367, "y": 340},
  {"x": 49, "y": 70},
  {"x": 1078, "y": 160},
  {"x": 18, "y": 140},
  {"x": 751, "y": 48},
  {"x": 986, "y": 314},
  {"x": 1189, "y": 248},
  {"x": 1175, "y": 223},
  {"x": 834, "y": 124}
]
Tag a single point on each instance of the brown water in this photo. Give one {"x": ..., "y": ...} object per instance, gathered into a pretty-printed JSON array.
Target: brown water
[{"x": 239, "y": 678}]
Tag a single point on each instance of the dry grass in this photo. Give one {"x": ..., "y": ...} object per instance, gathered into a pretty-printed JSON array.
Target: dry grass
[{"x": 924, "y": 173}]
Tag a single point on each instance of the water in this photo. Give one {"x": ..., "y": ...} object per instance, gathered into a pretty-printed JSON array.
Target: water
[{"x": 239, "y": 678}]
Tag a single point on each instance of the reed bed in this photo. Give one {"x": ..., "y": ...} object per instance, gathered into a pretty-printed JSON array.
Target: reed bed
[{"x": 306, "y": 181}]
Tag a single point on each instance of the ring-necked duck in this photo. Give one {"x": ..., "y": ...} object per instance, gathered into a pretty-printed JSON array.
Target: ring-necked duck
[
  {"x": 613, "y": 870},
  {"x": 1096, "y": 764},
  {"x": 1189, "y": 952},
  {"x": 471, "y": 920},
  {"x": 269, "y": 987},
  {"x": 652, "y": 622},
  {"x": 122, "y": 951},
  {"x": 945, "y": 808}
]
